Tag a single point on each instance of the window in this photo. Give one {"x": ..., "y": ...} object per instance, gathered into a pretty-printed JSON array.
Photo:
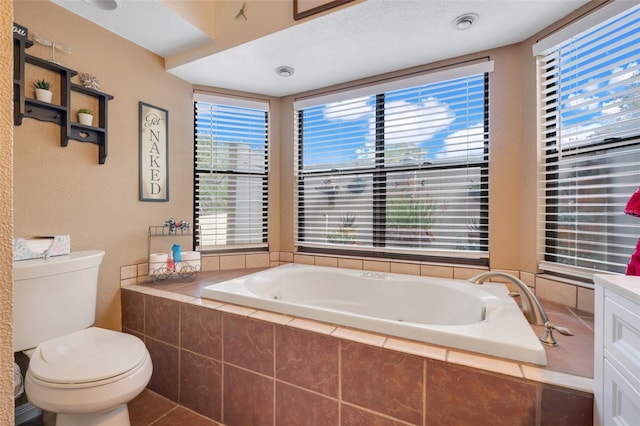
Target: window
[
  {"x": 231, "y": 171},
  {"x": 589, "y": 92},
  {"x": 398, "y": 169}
]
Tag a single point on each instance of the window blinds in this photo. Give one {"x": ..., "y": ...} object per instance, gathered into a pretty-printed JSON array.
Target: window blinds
[
  {"x": 231, "y": 168},
  {"x": 400, "y": 171},
  {"x": 589, "y": 92}
]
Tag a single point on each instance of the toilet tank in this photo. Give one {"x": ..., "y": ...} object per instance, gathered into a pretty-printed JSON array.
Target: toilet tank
[{"x": 54, "y": 297}]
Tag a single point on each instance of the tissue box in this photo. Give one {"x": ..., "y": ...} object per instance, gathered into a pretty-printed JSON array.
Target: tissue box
[{"x": 37, "y": 247}]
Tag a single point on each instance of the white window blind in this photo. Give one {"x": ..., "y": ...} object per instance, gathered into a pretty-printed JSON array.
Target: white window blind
[
  {"x": 589, "y": 92},
  {"x": 403, "y": 171},
  {"x": 231, "y": 172}
]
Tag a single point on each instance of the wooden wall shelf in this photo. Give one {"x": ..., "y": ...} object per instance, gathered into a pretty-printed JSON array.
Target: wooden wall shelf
[{"x": 58, "y": 113}]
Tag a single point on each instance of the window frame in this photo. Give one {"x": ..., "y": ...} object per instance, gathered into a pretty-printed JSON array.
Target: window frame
[
  {"x": 380, "y": 171},
  {"x": 231, "y": 101},
  {"x": 551, "y": 147}
]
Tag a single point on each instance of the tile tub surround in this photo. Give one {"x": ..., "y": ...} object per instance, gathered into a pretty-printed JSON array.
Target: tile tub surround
[
  {"x": 568, "y": 293},
  {"x": 239, "y": 366}
]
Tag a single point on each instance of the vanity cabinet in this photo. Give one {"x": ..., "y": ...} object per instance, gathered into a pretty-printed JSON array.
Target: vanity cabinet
[
  {"x": 617, "y": 350},
  {"x": 59, "y": 113}
]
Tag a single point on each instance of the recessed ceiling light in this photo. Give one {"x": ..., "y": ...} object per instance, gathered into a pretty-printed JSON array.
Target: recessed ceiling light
[
  {"x": 103, "y": 4},
  {"x": 464, "y": 22},
  {"x": 284, "y": 71}
]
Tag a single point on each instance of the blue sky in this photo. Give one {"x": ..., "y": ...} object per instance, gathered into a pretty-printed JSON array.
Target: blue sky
[{"x": 436, "y": 119}]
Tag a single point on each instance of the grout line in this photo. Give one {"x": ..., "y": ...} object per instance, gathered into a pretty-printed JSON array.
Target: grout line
[{"x": 165, "y": 414}]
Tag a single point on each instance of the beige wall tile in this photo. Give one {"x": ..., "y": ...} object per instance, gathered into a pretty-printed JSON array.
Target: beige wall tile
[
  {"x": 129, "y": 271},
  {"x": 210, "y": 263},
  {"x": 232, "y": 261},
  {"x": 350, "y": 263},
  {"x": 206, "y": 303},
  {"x": 257, "y": 260},
  {"x": 405, "y": 268},
  {"x": 143, "y": 269},
  {"x": 556, "y": 291},
  {"x": 304, "y": 259},
  {"x": 586, "y": 300},
  {"x": 128, "y": 282},
  {"x": 485, "y": 363},
  {"x": 529, "y": 279},
  {"x": 327, "y": 261},
  {"x": 359, "y": 336},
  {"x": 137, "y": 288},
  {"x": 461, "y": 273},
  {"x": 271, "y": 317},
  {"x": 310, "y": 325},
  {"x": 274, "y": 256},
  {"x": 416, "y": 348},
  {"x": 377, "y": 266},
  {"x": 570, "y": 381},
  {"x": 436, "y": 271},
  {"x": 286, "y": 256},
  {"x": 237, "y": 310},
  {"x": 170, "y": 295},
  {"x": 274, "y": 264}
]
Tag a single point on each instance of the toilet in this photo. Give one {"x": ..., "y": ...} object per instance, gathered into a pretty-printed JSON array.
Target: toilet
[{"x": 84, "y": 374}]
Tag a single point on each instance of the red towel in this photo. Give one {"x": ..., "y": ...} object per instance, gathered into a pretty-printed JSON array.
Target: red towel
[
  {"x": 633, "y": 205},
  {"x": 633, "y": 208}
]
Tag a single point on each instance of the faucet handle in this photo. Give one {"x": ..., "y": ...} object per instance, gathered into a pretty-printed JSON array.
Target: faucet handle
[{"x": 547, "y": 337}]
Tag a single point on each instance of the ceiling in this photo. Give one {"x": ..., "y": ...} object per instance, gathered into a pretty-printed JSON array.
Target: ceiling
[{"x": 362, "y": 40}]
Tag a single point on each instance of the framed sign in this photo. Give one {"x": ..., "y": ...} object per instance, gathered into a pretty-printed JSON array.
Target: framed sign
[
  {"x": 304, "y": 8},
  {"x": 154, "y": 160}
]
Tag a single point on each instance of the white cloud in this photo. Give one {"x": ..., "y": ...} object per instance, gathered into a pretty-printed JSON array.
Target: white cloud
[
  {"x": 585, "y": 103},
  {"x": 467, "y": 142},
  {"x": 620, "y": 76},
  {"x": 411, "y": 123},
  {"x": 353, "y": 109}
]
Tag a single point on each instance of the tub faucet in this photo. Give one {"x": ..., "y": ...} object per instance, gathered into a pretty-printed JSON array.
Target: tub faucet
[{"x": 531, "y": 307}]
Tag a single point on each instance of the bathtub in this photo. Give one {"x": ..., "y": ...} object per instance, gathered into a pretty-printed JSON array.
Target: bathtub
[{"x": 439, "y": 311}]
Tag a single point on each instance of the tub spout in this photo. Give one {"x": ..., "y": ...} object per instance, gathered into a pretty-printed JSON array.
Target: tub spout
[{"x": 531, "y": 307}]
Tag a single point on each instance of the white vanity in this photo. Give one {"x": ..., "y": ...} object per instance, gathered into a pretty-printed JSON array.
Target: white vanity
[{"x": 617, "y": 350}]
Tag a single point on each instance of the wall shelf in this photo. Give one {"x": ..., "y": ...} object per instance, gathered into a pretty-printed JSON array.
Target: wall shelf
[
  {"x": 59, "y": 114},
  {"x": 185, "y": 270}
]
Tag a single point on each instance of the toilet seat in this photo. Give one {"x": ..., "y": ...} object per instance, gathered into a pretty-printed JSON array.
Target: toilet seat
[{"x": 89, "y": 357}]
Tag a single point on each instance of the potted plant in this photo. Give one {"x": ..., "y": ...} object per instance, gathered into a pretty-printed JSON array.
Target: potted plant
[
  {"x": 346, "y": 234},
  {"x": 85, "y": 116},
  {"x": 411, "y": 218},
  {"x": 42, "y": 91}
]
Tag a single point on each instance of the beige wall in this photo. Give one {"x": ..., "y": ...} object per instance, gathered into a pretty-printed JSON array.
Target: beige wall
[
  {"x": 64, "y": 190},
  {"x": 6, "y": 214}
]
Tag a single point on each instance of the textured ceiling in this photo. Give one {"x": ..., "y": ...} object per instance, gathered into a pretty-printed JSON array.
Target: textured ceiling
[{"x": 362, "y": 40}]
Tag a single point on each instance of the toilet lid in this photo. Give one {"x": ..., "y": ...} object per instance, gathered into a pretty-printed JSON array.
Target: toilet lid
[{"x": 85, "y": 356}]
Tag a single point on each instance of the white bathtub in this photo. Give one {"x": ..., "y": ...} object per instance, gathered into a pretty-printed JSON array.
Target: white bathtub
[{"x": 446, "y": 312}]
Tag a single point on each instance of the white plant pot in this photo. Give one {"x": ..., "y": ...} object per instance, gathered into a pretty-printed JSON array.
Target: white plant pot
[
  {"x": 86, "y": 119},
  {"x": 44, "y": 95}
]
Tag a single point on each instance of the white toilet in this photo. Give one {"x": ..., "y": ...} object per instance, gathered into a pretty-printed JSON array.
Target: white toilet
[{"x": 85, "y": 374}]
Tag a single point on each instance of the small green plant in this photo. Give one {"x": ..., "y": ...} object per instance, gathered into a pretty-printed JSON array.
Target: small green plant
[
  {"x": 85, "y": 111},
  {"x": 420, "y": 212},
  {"x": 348, "y": 220},
  {"x": 42, "y": 84},
  {"x": 346, "y": 234}
]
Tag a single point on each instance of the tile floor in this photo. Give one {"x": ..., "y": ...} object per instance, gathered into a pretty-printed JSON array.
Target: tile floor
[{"x": 149, "y": 409}]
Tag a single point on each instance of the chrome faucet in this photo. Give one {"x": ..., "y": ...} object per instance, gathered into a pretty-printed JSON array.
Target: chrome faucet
[{"x": 530, "y": 305}]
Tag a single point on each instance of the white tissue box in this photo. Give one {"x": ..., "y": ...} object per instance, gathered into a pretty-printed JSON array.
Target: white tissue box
[{"x": 41, "y": 246}]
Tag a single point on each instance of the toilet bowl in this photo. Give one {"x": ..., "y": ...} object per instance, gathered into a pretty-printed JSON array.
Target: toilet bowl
[
  {"x": 88, "y": 376},
  {"x": 84, "y": 374}
]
